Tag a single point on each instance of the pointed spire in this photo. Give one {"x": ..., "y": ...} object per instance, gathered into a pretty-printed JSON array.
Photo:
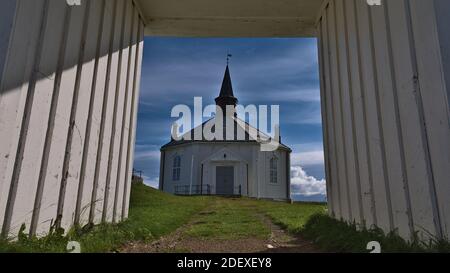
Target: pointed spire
[
  {"x": 226, "y": 96},
  {"x": 227, "y": 87}
]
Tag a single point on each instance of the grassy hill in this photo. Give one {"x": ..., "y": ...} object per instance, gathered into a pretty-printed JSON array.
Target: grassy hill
[{"x": 154, "y": 214}]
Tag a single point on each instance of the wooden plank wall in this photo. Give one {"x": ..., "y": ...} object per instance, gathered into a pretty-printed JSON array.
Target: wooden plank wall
[
  {"x": 385, "y": 110},
  {"x": 68, "y": 104},
  {"x": 68, "y": 108}
]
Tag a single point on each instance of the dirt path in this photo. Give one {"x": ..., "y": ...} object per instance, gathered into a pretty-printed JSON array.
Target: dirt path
[
  {"x": 180, "y": 241},
  {"x": 284, "y": 242}
]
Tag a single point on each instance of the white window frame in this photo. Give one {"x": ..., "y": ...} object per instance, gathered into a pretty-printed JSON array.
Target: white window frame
[{"x": 176, "y": 168}]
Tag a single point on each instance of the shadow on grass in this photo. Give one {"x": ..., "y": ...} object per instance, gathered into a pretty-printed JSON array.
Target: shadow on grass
[
  {"x": 337, "y": 236},
  {"x": 152, "y": 215}
]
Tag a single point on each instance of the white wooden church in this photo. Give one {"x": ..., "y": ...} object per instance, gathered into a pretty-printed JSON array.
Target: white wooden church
[{"x": 226, "y": 167}]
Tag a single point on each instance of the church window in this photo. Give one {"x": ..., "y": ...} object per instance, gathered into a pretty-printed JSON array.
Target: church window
[
  {"x": 176, "y": 168},
  {"x": 274, "y": 170}
]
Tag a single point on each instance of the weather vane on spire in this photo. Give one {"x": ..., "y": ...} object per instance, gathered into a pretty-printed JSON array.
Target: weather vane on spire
[{"x": 228, "y": 58}]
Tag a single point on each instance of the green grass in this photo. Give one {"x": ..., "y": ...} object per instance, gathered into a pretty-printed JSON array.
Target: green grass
[
  {"x": 227, "y": 220},
  {"x": 337, "y": 236},
  {"x": 152, "y": 214},
  {"x": 311, "y": 220},
  {"x": 160, "y": 213},
  {"x": 292, "y": 217}
]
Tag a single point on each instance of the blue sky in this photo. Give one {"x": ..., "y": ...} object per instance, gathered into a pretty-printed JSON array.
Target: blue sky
[{"x": 264, "y": 71}]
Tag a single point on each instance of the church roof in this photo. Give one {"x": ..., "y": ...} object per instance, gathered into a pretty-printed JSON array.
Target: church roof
[
  {"x": 226, "y": 97},
  {"x": 227, "y": 86},
  {"x": 239, "y": 128}
]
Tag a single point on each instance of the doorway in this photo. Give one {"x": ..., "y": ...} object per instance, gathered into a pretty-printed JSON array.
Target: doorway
[{"x": 225, "y": 180}]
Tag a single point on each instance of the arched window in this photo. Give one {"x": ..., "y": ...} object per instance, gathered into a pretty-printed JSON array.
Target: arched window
[
  {"x": 176, "y": 168},
  {"x": 274, "y": 170}
]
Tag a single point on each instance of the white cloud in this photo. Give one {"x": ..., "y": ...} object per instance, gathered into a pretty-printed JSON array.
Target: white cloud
[
  {"x": 307, "y": 158},
  {"x": 302, "y": 183},
  {"x": 152, "y": 182}
]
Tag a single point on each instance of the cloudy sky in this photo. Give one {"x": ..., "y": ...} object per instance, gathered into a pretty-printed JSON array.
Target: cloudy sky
[{"x": 264, "y": 71}]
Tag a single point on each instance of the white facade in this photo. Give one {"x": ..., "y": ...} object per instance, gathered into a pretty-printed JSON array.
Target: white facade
[
  {"x": 385, "y": 103},
  {"x": 199, "y": 162},
  {"x": 68, "y": 106},
  {"x": 232, "y": 163}
]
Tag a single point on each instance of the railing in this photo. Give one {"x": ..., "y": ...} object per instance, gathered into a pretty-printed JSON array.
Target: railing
[
  {"x": 201, "y": 190},
  {"x": 137, "y": 173},
  {"x": 193, "y": 190},
  {"x": 137, "y": 177}
]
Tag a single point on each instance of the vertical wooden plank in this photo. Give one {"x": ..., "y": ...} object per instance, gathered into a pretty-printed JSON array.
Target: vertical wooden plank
[
  {"x": 329, "y": 89},
  {"x": 324, "y": 117},
  {"x": 32, "y": 138},
  {"x": 418, "y": 174},
  {"x": 391, "y": 123},
  {"x": 127, "y": 115},
  {"x": 349, "y": 133},
  {"x": 14, "y": 88},
  {"x": 51, "y": 167},
  {"x": 98, "y": 191},
  {"x": 113, "y": 161},
  {"x": 442, "y": 9},
  {"x": 359, "y": 115},
  {"x": 133, "y": 117},
  {"x": 74, "y": 155},
  {"x": 434, "y": 106},
  {"x": 375, "y": 142},
  {"x": 101, "y": 167},
  {"x": 124, "y": 118},
  {"x": 7, "y": 18},
  {"x": 338, "y": 116},
  {"x": 89, "y": 154}
]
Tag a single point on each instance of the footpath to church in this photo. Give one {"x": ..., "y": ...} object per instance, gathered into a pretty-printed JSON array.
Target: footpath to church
[{"x": 227, "y": 226}]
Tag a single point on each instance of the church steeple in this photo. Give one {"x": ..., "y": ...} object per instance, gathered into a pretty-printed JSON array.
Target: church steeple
[{"x": 226, "y": 96}]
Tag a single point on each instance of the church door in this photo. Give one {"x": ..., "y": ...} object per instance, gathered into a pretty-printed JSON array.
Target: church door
[{"x": 224, "y": 180}]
